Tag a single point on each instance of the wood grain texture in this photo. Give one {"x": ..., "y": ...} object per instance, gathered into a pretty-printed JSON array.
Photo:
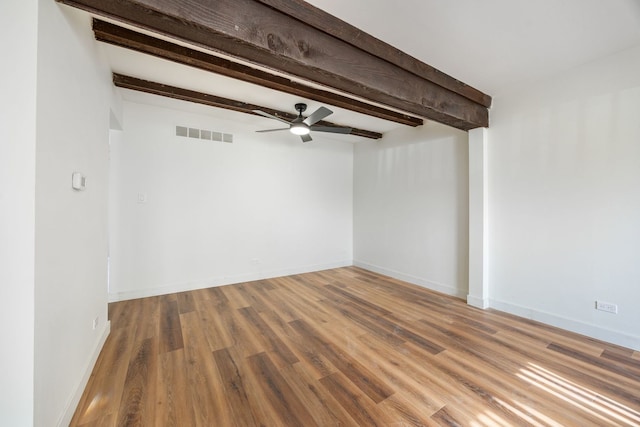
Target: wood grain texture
[
  {"x": 348, "y": 347},
  {"x": 174, "y": 92},
  {"x": 126, "y": 38},
  {"x": 251, "y": 31},
  {"x": 346, "y": 32}
]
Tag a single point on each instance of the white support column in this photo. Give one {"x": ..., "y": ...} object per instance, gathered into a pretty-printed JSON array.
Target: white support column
[{"x": 478, "y": 219}]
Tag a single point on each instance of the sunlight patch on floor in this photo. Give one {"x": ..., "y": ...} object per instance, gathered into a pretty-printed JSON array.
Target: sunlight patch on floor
[{"x": 596, "y": 405}]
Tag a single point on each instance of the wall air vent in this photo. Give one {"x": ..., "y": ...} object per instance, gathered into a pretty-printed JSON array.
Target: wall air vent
[
  {"x": 208, "y": 135},
  {"x": 182, "y": 131}
]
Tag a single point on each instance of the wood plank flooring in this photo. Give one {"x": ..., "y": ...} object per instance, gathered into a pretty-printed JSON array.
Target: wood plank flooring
[{"x": 347, "y": 347}]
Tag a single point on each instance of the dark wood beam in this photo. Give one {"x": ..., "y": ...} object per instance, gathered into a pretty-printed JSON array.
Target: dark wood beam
[
  {"x": 123, "y": 37},
  {"x": 134, "y": 83},
  {"x": 253, "y": 31},
  {"x": 346, "y": 32}
]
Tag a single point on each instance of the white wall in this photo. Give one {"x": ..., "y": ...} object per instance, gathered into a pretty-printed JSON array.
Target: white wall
[
  {"x": 17, "y": 208},
  {"x": 564, "y": 199},
  {"x": 411, "y": 207},
  {"x": 74, "y": 92},
  {"x": 216, "y": 213}
]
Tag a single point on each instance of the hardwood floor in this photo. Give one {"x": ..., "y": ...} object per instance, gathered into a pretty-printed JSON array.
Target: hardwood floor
[{"x": 347, "y": 347}]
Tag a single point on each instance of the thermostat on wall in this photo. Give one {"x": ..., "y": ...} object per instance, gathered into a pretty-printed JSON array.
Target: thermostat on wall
[{"x": 78, "y": 181}]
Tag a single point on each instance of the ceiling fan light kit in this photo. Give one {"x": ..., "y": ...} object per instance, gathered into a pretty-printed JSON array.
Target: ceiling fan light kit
[
  {"x": 303, "y": 126},
  {"x": 299, "y": 129}
]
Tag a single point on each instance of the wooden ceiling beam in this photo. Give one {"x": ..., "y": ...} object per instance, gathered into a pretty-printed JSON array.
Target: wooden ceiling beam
[
  {"x": 126, "y": 38},
  {"x": 128, "y": 82},
  {"x": 256, "y": 32},
  {"x": 323, "y": 21}
]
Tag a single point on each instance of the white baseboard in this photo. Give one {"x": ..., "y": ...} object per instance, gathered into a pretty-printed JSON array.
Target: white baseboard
[
  {"x": 75, "y": 399},
  {"x": 429, "y": 284},
  {"x": 583, "y": 328},
  {"x": 221, "y": 281},
  {"x": 477, "y": 301}
]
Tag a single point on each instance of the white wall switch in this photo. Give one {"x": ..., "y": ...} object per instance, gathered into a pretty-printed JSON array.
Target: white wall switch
[
  {"x": 78, "y": 181},
  {"x": 142, "y": 197}
]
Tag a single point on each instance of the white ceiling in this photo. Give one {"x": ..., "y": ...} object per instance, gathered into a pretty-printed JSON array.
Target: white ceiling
[
  {"x": 495, "y": 44},
  {"x": 492, "y": 45}
]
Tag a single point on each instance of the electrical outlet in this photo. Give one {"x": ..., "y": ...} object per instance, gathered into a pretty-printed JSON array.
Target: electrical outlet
[
  {"x": 607, "y": 306},
  {"x": 95, "y": 322}
]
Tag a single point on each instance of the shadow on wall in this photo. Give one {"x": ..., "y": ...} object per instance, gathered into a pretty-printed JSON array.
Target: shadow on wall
[{"x": 411, "y": 207}]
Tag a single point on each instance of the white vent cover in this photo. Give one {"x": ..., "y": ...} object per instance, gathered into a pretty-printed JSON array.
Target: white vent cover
[
  {"x": 209, "y": 135},
  {"x": 182, "y": 131}
]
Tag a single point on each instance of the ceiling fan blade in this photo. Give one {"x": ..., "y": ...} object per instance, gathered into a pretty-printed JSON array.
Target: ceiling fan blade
[
  {"x": 317, "y": 115},
  {"x": 271, "y": 116},
  {"x": 330, "y": 129},
  {"x": 271, "y": 130},
  {"x": 306, "y": 138}
]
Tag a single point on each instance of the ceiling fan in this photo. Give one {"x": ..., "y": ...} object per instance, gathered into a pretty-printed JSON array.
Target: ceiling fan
[{"x": 301, "y": 126}]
